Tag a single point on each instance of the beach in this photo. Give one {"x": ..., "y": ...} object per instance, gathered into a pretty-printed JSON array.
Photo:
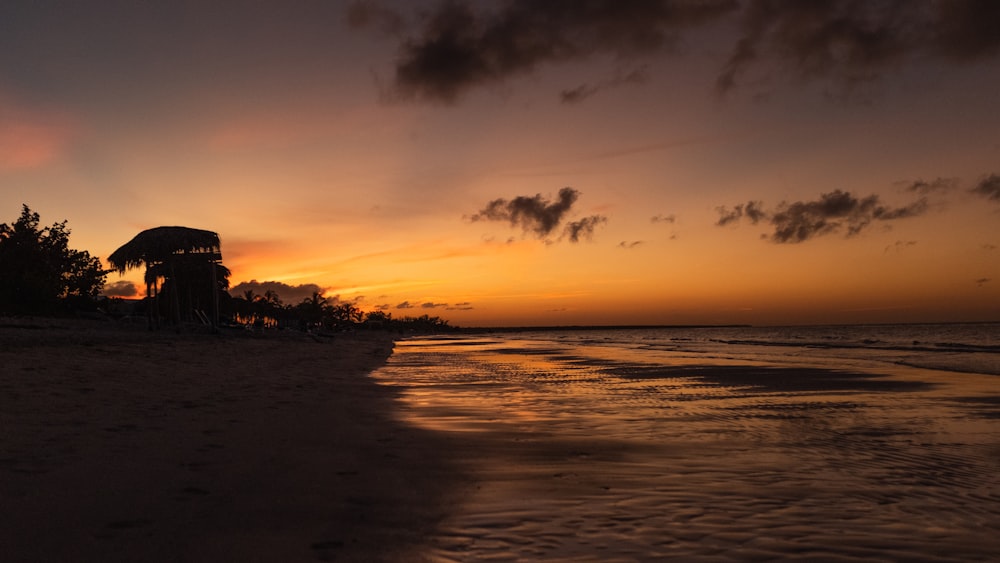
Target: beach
[{"x": 120, "y": 444}]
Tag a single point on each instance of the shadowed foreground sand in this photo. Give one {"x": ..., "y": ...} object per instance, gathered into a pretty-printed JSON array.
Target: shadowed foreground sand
[{"x": 117, "y": 444}]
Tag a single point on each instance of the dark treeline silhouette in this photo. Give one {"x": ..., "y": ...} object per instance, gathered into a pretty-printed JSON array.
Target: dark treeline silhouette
[
  {"x": 41, "y": 274},
  {"x": 316, "y": 312},
  {"x": 186, "y": 283}
]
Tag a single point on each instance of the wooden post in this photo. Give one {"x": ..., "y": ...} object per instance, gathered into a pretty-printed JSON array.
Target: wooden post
[{"x": 215, "y": 295}]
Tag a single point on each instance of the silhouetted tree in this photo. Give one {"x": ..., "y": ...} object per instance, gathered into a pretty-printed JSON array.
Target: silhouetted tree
[
  {"x": 38, "y": 270},
  {"x": 312, "y": 311},
  {"x": 344, "y": 315}
]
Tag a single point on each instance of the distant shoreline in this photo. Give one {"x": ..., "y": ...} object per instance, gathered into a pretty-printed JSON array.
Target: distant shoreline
[{"x": 485, "y": 329}]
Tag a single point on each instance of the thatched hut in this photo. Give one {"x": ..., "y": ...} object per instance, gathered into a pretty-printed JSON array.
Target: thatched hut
[{"x": 178, "y": 255}]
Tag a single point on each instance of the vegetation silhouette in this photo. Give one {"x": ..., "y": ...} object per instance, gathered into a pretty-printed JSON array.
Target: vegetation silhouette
[
  {"x": 186, "y": 282},
  {"x": 319, "y": 313},
  {"x": 40, "y": 273}
]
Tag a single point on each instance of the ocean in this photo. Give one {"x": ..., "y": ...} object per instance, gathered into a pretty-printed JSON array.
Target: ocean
[{"x": 836, "y": 443}]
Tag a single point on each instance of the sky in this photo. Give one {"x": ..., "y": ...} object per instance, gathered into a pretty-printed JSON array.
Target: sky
[{"x": 529, "y": 162}]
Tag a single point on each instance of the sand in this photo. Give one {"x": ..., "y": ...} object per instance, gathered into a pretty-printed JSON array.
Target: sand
[{"x": 120, "y": 444}]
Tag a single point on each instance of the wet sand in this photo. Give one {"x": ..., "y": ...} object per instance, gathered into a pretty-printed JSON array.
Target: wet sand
[
  {"x": 117, "y": 444},
  {"x": 581, "y": 454}
]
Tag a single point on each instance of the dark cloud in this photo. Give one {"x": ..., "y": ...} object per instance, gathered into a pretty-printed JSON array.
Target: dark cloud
[
  {"x": 988, "y": 187},
  {"x": 663, "y": 219},
  {"x": 536, "y": 214},
  {"x": 899, "y": 245},
  {"x": 800, "y": 221},
  {"x": 464, "y": 306},
  {"x": 835, "y": 211},
  {"x": 989, "y": 247},
  {"x": 540, "y": 215},
  {"x": 751, "y": 210},
  {"x": 404, "y": 305},
  {"x": 430, "y": 305},
  {"x": 851, "y": 39},
  {"x": 982, "y": 281},
  {"x": 584, "y": 91},
  {"x": 857, "y": 40},
  {"x": 457, "y": 48},
  {"x": 632, "y": 244},
  {"x": 287, "y": 293},
  {"x": 584, "y": 228},
  {"x": 121, "y": 289},
  {"x": 966, "y": 30},
  {"x": 937, "y": 185}
]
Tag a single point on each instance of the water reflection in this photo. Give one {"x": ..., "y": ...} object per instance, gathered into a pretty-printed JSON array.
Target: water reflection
[{"x": 599, "y": 453}]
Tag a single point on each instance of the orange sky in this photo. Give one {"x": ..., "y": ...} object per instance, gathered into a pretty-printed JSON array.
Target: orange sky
[{"x": 357, "y": 146}]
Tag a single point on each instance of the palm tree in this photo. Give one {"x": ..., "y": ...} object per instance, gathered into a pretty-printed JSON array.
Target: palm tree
[{"x": 174, "y": 254}]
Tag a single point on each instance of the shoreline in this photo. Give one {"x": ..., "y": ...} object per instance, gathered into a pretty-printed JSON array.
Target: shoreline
[{"x": 121, "y": 444}]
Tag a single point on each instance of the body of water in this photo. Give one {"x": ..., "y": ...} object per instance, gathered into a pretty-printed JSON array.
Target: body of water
[{"x": 811, "y": 443}]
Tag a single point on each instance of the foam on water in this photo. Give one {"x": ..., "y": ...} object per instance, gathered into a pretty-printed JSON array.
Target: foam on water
[{"x": 640, "y": 446}]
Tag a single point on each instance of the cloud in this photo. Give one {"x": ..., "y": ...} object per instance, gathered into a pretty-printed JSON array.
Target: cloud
[
  {"x": 989, "y": 247},
  {"x": 584, "y": 228},
  {"x": 899, "y": 245},
  {"x": 121, "y": 289},
  {"x": 464, "y": 306},
  {"x": 458, "y": 48},
  {"x": 937, "y": 185},
  {"x": 287, "y": 293},
  {"x": 803, "y": 220},
  {"x": 800, "y": 221},
  {"x": 460, "y": 45},
  {"x": 663, "y": 219},
  {"x": 632, "y": 244},
  {"x": 540, "y": 215},
  {"x": 982, "y": 281},
  {"x": 988, "y": 187},
  {"x": 853, "y": 41},
  {"x": 584, "y": 91},
  {"x": 535, "y": 214},
  {"x": 430, "y": 305},
  {"x": 404, "y": 305},
  {"x": 751, "y": 210}
]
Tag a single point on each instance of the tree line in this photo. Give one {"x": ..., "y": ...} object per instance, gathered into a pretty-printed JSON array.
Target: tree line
[
  {"x": 41, "y": 274},
  {"x": 318, "y": 312}
]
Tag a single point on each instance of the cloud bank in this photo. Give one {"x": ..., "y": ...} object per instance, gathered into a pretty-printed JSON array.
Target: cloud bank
[
  {"x": 455, "y": 47},
  {"x": 290, "y": 294},
  {"x": 120, "y": 289}
]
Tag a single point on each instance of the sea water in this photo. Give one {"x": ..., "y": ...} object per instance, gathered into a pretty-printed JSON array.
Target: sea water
[{"x": 739, "y": 443}]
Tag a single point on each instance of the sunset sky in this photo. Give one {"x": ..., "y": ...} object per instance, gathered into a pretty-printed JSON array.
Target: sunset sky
[{"x": 530, "y": 162}]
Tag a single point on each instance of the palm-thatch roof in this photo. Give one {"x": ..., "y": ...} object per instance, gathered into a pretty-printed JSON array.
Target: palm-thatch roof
[{"x": 158, "y": 244}]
